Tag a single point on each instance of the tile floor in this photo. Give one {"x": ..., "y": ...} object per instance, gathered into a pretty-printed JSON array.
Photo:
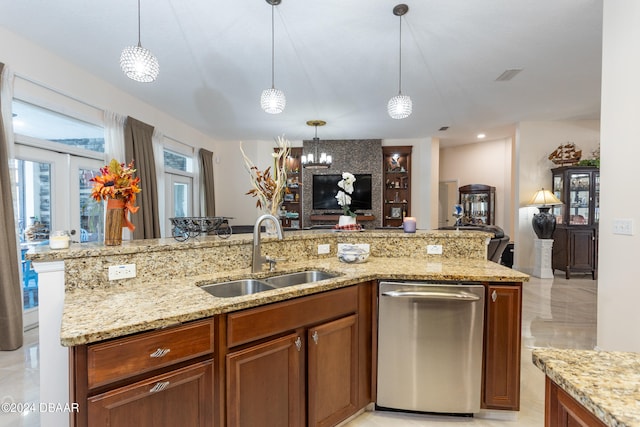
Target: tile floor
[{"x": 556, "y": 312}]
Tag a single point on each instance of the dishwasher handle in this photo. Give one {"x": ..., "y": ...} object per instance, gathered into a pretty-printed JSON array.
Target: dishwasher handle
[{"x": 433, "y": 295}]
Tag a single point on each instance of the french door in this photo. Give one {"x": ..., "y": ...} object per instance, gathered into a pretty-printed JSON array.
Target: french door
[{"x": 53, "y": 193}]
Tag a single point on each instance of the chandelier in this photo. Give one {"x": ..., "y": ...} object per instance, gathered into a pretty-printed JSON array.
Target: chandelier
[
  {"x": 138, "y": 63},
  {"x": 273, "y": 100},
  {"x": 400, "y": 106},
  {"x": 312, "y": 160}
]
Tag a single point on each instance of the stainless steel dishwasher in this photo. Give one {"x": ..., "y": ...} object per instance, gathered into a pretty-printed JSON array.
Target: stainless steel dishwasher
[{"x": 430, "y": 347}]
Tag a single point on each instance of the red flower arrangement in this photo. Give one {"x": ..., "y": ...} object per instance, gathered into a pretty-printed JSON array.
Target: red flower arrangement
[{"x": 118, "y": 186}]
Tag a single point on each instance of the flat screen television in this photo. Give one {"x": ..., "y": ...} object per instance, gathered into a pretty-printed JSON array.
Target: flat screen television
[{"x": 325, "y": 188}]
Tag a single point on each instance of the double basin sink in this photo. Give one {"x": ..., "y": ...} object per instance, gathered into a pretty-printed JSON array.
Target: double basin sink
[{"x": 242, "y": 287}]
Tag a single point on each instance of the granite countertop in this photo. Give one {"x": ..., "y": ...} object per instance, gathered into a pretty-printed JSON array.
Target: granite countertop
[
  {"x": 96, "y": 314},
  {"x": 606, "y": 383}
]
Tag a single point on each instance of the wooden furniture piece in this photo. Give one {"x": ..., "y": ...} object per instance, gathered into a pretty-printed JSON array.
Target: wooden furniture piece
[
  {"x": 478, "y": 204},
  {"x": 562, "y": 410},
  {"x": 334, "y": 218},
  {"x": 159, "y": 378},
  {"x": 396, "y": 179},
  {"x": 575, "y": 246},
  {"x": 305, "y": 361},
  {"x": 501, "y": 363},
  {"x": 292, "y": 203}
]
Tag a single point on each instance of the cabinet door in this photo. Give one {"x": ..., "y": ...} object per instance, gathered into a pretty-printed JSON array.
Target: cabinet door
[
  {"x": 332, "y": 371},
  {"x": 265, "y": 385},
  {"x": 178, "y": 398},
  {"x": 582, "y": 249},
  {"x": 501, "y": 383}
]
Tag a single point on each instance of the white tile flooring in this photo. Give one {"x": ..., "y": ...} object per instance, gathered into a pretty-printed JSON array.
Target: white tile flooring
[{"x": 556, "y": 312}]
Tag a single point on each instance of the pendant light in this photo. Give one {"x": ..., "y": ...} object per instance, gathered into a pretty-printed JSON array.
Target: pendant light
[
  {"x": 138, "y": 63},
  {"x": 273, "y": 100},
  {"x": 400, "y": 106},
  {"x": 312, "y": 160}
]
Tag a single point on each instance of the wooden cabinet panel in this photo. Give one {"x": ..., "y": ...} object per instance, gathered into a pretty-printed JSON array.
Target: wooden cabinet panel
[
  {"x": 501, "y": 370},
  {"x": 332, "y": 371},
  {"x": 269, "y": 320},
  {"x": 562, "y": 410},
  {"x": 124, "y": 357},
  {"x": 265, "y": 384},
  {"x": 179, "y": 398}
]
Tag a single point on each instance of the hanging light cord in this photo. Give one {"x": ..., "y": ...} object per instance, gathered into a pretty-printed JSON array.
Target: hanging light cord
[
  {"x": 139, "y": 44},
  {"x": 272, "y": 47},
  {"x": 399, "y": 62}
]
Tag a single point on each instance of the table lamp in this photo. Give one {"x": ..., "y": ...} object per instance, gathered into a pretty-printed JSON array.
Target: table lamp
[{"x": 544, "y": 222}]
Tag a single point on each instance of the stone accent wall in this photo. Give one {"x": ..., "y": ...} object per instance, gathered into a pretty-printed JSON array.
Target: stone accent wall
[{"x": 350, "y": 155}]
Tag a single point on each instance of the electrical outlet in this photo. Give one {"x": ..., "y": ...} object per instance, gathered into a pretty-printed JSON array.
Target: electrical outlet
[
  {"x": 123, "y": 271},
  {"x": 434, "y": 249},
  {"x": 623, "y": 226},
  {"x": 324, "y": 249}
]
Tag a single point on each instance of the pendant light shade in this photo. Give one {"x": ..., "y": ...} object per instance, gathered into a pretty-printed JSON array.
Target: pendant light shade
[
  {"x": 138, "y": 63},
  {"x": 400, "y": 106},
  {"x": 273, "y": 100}
]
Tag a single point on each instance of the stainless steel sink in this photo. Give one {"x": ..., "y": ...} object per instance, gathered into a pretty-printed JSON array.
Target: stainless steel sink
[
  {"x": 299, "y": 278},
  {"x": 237, "y": 288}
]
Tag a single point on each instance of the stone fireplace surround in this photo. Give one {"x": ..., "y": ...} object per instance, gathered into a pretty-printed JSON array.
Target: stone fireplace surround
[{"x": 348, "y": 155}]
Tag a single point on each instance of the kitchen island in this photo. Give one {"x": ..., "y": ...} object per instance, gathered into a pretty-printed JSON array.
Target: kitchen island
[
  {"x": 165, "y": 291},
  {"x": 588, "y": 387}
]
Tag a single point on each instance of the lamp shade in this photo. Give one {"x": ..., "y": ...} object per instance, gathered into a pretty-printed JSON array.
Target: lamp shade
[{"x": 544, "y": 198}]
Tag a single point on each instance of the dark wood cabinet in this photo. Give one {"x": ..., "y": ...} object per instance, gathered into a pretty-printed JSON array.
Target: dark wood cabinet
[
  {"x": 501, "y": 364},
  {"x": 478, "y": 204},
  {"x": 158, "y": 378},
  {"x": 305, "y": 361},
  {"x": 575, "y": 241},
  {"x": 396, "y": 172},
  {"x": 562, "y": 410}
]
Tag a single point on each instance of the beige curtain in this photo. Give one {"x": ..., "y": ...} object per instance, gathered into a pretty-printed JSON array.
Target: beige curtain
[
  {"x": 10, "y": 292},
  {"x": 138, "y": 146},
  {"x": 206, "y": 169}
]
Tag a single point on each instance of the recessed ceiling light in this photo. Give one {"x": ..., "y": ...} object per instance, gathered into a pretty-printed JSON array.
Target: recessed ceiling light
[{"x": 481, "y": 135}]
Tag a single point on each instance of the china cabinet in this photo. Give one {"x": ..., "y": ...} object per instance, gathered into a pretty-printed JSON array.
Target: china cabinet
[
  {"x": 575, "y": 246},
  {"x": 478, "y": 204},
  {"x": 396, "y": 170},
  {"x": 291, "y": 212}
]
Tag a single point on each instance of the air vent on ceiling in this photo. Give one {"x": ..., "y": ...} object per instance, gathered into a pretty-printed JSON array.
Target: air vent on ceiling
[
  {"x": 443, "y": 128},
  {"x": 508, "y": 74}
]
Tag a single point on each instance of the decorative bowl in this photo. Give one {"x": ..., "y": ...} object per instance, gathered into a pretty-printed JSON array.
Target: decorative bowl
[{"x": 352, "y": 254}]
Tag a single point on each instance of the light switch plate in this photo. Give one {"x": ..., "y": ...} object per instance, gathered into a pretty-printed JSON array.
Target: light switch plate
[
  {"x": 122, "y": 271},
  {"x": 623, "y": 226},
  {"x": 324, "y": 249},
  {"x": 434, "y": 249}
]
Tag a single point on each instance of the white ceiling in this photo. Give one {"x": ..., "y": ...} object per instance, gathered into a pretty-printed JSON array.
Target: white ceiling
[{"x": 337, "y": 60}]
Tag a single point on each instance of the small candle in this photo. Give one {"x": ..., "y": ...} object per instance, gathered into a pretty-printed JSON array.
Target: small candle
[{"x": 409, "y": 224}]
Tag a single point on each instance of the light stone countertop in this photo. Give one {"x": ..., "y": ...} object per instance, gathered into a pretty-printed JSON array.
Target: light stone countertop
[
  {"x": 95, "y": 314},
  {"x": 606, "y": 383}
]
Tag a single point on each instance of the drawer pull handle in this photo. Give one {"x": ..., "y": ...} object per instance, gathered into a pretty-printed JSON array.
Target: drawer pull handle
[
  {"x": 298, "y": 343},
  {"x": 315, "y": 337},
  {"x": 159, "y": 386},
  {"x": 161, "y": 352},
  {"x": 494, "y": 296}
]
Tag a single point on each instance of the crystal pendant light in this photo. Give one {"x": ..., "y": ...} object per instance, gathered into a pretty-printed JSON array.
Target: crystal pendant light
[
  {"x": 400, "y": 106},
  {"x": 273, "y": 100},
  {"x": 138, "y": 63}
]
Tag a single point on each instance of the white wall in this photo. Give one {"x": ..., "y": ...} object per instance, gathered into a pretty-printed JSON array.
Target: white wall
[
  {"x": 535, "y": 141},
  {"x": 619, "y": 269},
  {"x": 487, "y": 163}
]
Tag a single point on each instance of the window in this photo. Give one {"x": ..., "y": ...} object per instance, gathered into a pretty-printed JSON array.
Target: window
[{"x": 179, "y": 182}]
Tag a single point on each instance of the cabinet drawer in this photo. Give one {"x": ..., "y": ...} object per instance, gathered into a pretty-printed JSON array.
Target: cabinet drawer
[
  {"x": 121, "y": 358},
  {"x": 256, "y": 323}
]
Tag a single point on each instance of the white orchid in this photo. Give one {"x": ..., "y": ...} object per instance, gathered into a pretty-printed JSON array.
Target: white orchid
[{"x": 343, "y": 197}]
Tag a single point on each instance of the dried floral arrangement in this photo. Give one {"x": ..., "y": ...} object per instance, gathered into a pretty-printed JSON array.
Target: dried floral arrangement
[{"x": 268, "y": 187}]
